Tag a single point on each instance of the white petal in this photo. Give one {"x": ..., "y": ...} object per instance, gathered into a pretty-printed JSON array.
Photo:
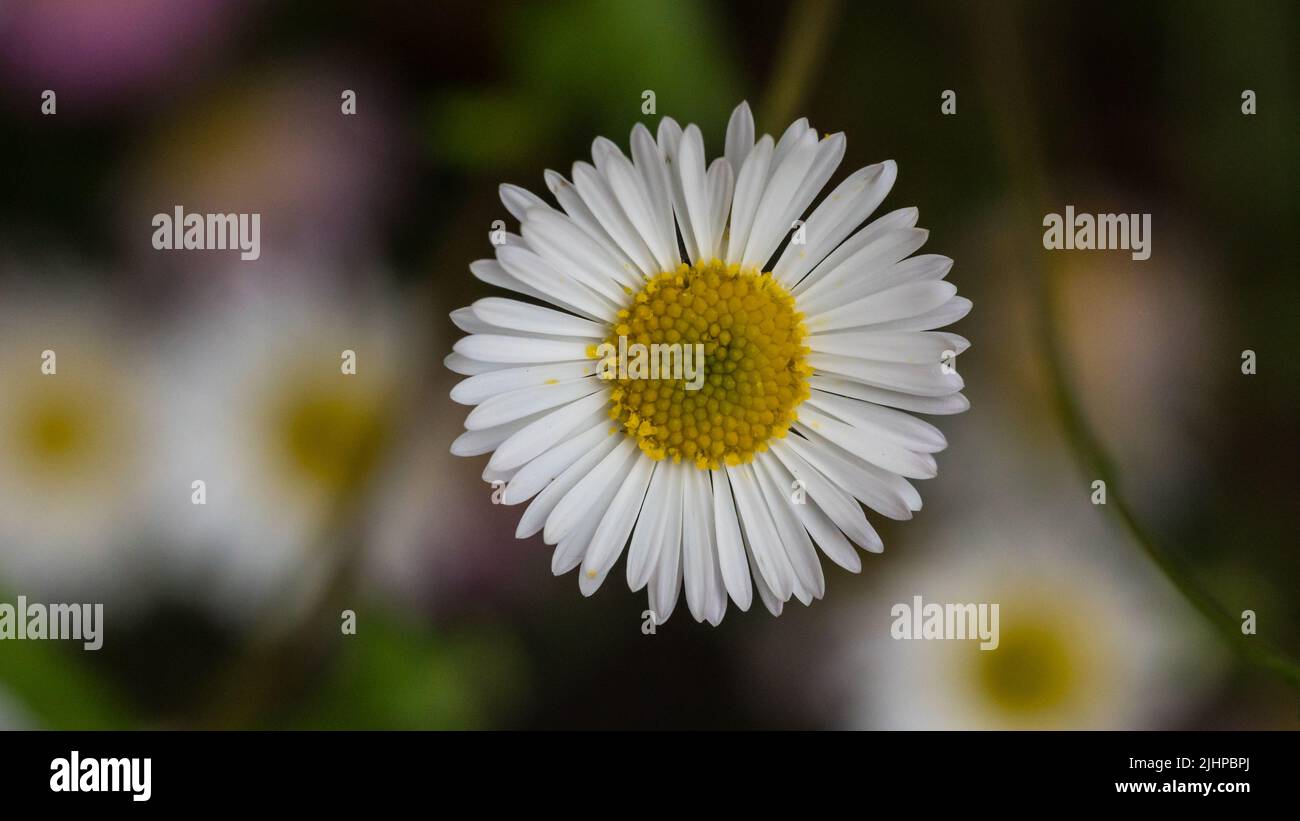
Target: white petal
[
  {"x": 923, "y": 380},
  {"x": 465, "y": 366},
  {"x": 535, "y": 515},
  {"x": 527, "y": 318},
  {"x": 544, "y": 433},
  {"x": 670, "y": 140},
  {"x": 774, "y": 219},
  {"x": 699, "y": 565},
  {"x": 885, "y": 492},
  {"x": 570, "y": 250},
  {"x": 943, "y": 316},
  {"x": 900, "y": 428},
  {"x": 721, "y": 185},
  {"x": 571, "y": 201},
  {"x": 531, "y": 269},
  {"x": 740, "y": 137},
  {"x": 532, "y": 477},
  {"x": 749, "y": 192},
  {"x": 666, "y": 582},
  {"x": 508, "y": 407},
  {"x": 629, "y": 188},
  {"x": 937, "y": 405},
  {"x": 484, "y": 386},
  {"x": 518, "y": 200},
  {"x": 695, "y": 191},
  {"x": 604, "y": 207},
  {"x": 900, "y": 302},
  {"x": 835, "y": 218},
  {"x": 916, "y": 347},
  {"x": 491, "y": 272},
  {"x": 875, "y": 449},
  {"x": 813, "y": 519},
  {"x": 579, "y": 501},
  {"x": 731, "y": 548},
  {"x": 868, "y": 271},
  {"x": 478, "y": 442},
  {"x": 760, "y": 531},
  {"x": 651, "y": 529},
  {"x": 649, "y": 161},
  {"x": 893, "y": 221},
  {"x": 798, "y": 455},
  {"x": 498, "y": 348},
  {"x": 616, "y": 524},
  {"x": 798, "y": 547}
]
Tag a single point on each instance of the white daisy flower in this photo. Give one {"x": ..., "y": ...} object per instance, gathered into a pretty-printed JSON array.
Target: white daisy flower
[
  {"x": 812, "y": 358},
  {"x": 74, "y": 447},
  {"x": 266, "y": 409},
  {"x": 1086, "y": 638}
]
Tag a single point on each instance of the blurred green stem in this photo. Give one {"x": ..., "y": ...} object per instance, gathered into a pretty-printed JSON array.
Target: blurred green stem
[
  {"x": 1000, "y": 54},
  {"x": 808, "y": 28}
]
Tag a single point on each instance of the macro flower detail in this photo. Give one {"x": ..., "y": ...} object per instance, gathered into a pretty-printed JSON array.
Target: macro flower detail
[{"x": 717, "y": 382}]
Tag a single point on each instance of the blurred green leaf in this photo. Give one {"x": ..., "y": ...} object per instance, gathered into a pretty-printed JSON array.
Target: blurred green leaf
[{"x": 397, "y": 675}]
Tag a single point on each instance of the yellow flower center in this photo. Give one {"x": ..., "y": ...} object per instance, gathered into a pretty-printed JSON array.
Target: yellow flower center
[
  {"x": 710, "y": 364},
  {"x": 1032, "y": 670}
]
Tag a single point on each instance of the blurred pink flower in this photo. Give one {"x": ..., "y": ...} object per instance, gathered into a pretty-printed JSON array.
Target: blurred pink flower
[{"x": 95, "y": 54}]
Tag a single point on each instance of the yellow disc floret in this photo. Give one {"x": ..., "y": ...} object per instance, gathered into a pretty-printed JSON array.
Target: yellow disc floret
[{"x": 707, "y": 364}]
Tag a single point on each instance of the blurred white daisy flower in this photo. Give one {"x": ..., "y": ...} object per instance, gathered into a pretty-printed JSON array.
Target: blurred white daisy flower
[
  {"x": 812, "y": 359},
  {"x": 74, "y": 438},
  {"x": 283, "y": 408},
  {"x": 1086, "y": 637}
]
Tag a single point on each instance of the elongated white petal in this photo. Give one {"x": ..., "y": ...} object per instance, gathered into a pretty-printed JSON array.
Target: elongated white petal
[
  {"x": 670, "y": 141},
  {"x": 774, "y": 220},
  {"x": 922, "y": 380},
  {"x": 616, "y": 525},
  {"x": 865, "y": 272},
  {"x": 695, "y": 191},
  {"x": 941, "y": 317},
  {"x": 521, "y": 316},
  {"x": 731, "y": 547},
  {"x": 545, "y": 432},
  {"x": 900, "y": 302},
  {"x": 497, "y": 348},
  {"x": 518, "y": 200},
  {"x": 537, "y": 512},
  {"x": 760, "y": 531},
  {"x": 839, "y": 215},
  {"x": 529, "y": 480},
  {"x": 749, "y": 192},
  {"x": 877, "y": 450},
  {"x": 569, "y": 250},
  {"x": 740, "y": 137},
  {"x": 571, "y": 201},
  {"x": 893, "y": 221},
  {"x": 797, "y": 455},
  {"x": 604, "y": 207},
  {"x": 798, "y": 547},
  {"x": 531, "y": 269},
  {"x": 484, "y": 386},
  {"x": 653, "y": 527},
  {"x": 900, "y": 428},
  {"x": 916, "y": 347},
  {"x": 581, "y": 498},
  {"x": 508, "y": 407},
  {"x": 649, "y": 162},
  {"x": 936, "y": 405}
]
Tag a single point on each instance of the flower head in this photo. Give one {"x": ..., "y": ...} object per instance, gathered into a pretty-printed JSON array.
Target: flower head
[{"x": 715, "y": 383}]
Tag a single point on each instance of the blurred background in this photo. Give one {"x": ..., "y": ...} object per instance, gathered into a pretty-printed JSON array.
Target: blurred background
[{"x": 327, "y": 494}]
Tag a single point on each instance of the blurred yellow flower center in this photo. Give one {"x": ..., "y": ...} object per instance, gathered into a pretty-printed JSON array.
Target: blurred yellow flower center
[
  {"x": 1031, "y": 671},
  {"x": 58, "y": 431},
  {"x": 330, "y": 435},
  {"x": 754, "y": 375}
]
